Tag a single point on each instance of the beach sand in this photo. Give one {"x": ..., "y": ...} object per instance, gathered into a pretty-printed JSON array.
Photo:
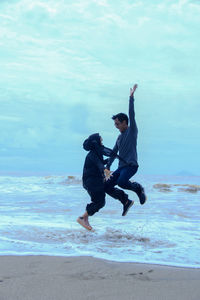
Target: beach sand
[{"x": 81, "y": 278}]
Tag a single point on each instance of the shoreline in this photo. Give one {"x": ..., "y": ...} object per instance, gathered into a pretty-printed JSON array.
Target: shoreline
[
  {"x": 171, "y": 265},
  {"x": 44, "y": 277}
]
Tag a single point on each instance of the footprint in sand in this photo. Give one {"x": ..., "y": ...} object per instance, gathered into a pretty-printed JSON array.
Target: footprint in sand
[
  {"x": 141, "y": 275},
  {"x": 2, "y": 280}
]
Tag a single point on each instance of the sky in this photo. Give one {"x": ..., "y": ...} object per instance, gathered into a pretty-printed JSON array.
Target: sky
[{"x": 67, "y": 67}]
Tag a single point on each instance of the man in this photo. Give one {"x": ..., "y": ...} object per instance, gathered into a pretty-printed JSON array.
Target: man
[{"x": 126, "y": 145}]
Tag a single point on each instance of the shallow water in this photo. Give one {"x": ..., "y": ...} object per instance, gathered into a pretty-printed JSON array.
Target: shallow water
[{"x": 38, "y": 216}]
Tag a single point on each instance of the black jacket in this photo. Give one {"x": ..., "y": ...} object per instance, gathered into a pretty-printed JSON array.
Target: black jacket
[{"x": 93, "y": 170}]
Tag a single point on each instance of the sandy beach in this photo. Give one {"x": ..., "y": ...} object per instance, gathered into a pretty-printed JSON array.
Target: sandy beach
[{"x": 72, "y": 278}]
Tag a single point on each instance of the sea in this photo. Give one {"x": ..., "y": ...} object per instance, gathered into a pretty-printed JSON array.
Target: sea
[{"x": 38, "y": 217}]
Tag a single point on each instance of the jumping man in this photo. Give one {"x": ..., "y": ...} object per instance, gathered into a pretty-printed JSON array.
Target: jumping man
[{"x": 126, "y": 146}]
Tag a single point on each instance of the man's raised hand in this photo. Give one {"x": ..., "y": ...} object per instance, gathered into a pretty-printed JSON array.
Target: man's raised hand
[{"x": 132, "y": 90}]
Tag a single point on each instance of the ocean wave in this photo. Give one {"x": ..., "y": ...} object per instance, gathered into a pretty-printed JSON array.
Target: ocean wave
[{"x": 107, "y": 237}]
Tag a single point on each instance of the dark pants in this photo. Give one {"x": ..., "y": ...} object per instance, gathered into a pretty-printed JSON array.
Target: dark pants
[
  {"x": 97, "y": 201},
  {"x": 121, "y": 178}
]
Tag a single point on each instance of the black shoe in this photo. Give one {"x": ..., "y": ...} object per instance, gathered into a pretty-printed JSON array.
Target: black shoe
[
  {"x": 142, "y": 196},
  {"x": 126, "y": 207},
  {"x": 139, "y": 190}
]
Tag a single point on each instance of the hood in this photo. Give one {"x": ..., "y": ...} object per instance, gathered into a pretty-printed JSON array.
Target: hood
[{"x": 92, "y": 142}]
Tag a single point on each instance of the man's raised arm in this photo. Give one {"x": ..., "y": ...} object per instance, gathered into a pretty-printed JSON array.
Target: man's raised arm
[{"x": 131, "y": 108}]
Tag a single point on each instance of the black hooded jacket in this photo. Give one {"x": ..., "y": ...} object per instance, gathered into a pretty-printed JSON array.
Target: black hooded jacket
[{"x": 93, "y": 170}]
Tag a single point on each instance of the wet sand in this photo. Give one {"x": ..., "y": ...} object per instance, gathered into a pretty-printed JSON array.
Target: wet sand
[{"x": 73, "y": 278}]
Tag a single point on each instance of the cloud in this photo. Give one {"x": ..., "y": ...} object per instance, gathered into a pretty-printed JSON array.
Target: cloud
[
  {"x": 10, "y": 118},
  {"x": 78, "y": 118}
]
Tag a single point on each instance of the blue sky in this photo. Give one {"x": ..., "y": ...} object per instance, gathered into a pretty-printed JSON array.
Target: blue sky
[{"x": 66, "y": 68}]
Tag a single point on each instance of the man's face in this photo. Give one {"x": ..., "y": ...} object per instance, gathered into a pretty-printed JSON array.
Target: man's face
[{"x": 122, "y": 126}]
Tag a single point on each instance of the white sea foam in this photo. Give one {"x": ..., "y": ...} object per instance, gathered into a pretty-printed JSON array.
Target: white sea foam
[{"x": 38, "y": 216}]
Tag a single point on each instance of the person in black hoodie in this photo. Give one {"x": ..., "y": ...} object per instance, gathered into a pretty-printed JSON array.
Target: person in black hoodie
[{"x": 93, "y": 177}]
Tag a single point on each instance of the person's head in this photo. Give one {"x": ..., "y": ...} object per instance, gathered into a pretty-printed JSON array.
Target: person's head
[
  {"x": 93, "y": 141},
  {"x": 121, "y": 121},
  {"x": 96, "y": 137}
]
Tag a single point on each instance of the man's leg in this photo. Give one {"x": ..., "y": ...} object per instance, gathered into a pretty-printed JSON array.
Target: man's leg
[
  {"x": 123, "y": 181},
  {"x": 115, "y": 192},
  {"x": 125, "y": 174}
]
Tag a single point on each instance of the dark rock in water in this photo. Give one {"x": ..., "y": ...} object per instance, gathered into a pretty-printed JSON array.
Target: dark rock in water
[
  {"x": 166, "y": 190},
  {"x": 163, "y": 187},
  {"x": 190, "y": 188}
]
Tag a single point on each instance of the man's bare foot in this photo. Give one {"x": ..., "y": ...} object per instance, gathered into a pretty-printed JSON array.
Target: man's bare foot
[{"x": 84, "y": 222}]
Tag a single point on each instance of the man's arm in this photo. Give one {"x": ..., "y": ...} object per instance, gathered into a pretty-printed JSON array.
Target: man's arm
[
  {"x": 133, "y": 124},
  {"x": 112, "y": 157}
]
